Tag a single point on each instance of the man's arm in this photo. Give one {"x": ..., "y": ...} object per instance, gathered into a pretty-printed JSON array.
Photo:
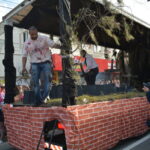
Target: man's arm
[
  {"x": 52, "y": 44},
  {"x": 24, "y": 58},
  {"x": 24, "y": 61}
]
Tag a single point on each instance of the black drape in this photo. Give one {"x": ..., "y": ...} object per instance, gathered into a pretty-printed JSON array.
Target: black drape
[{"x": 10, "y": 71}]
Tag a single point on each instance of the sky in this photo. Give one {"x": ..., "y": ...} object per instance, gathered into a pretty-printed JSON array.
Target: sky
[
  {"x": 6, "y": 6},
  {"x": 139, "y": 8}
]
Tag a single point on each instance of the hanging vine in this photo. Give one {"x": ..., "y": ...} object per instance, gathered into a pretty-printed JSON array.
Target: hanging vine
[{"x": 106, "y": 21}]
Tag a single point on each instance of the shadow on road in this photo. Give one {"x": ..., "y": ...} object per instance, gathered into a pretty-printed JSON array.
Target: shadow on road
[
  {"x": 6, "y": 146},
  {"x": 125, "y": 144}
]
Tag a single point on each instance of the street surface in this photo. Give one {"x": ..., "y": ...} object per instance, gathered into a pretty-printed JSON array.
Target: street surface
[
  {"x": 138, "y": 143},
  {"x": 6, "y": 146}
]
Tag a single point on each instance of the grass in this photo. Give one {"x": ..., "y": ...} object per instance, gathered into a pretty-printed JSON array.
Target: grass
[{"x": 86, "y": 99}]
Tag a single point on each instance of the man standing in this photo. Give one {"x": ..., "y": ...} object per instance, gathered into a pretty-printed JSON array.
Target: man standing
[
  {"x": 91, "y": 68},
  {"x": 37, "y": 47}
]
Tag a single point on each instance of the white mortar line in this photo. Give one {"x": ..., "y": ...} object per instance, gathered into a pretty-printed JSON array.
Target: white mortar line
[{"x": 137, "y": 143}]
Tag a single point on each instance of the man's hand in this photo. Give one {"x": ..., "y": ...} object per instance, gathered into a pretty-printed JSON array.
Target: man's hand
[
  {"x": 24, "y": 70},
  {"x": 57, "y": 46}
]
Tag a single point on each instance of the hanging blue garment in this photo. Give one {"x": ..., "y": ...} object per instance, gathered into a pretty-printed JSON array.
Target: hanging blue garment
[{"x": 148, "y": 96}]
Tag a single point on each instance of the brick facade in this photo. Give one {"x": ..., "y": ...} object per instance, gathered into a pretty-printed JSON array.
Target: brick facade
[{"x": 95, "y": 126}]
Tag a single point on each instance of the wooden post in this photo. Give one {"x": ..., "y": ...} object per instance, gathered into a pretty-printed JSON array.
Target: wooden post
[{"x": 69, "y": 88}]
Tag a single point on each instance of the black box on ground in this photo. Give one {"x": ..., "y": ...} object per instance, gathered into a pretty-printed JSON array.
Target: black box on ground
[{"x": 29, "y": 97}]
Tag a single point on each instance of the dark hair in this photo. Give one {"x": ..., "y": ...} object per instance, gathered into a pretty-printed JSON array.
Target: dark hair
[
  {"x": 33, "y": 28},
  {"x": 83, "y": 51}
]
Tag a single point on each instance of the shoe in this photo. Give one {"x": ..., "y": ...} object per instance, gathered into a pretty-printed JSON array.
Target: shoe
[{"x": 46, "y": 100}]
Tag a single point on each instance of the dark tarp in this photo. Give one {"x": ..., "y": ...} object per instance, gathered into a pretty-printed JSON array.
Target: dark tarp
[{"x": 44, "y": 16}]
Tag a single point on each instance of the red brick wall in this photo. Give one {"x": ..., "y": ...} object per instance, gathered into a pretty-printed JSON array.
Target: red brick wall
[{"x": 96, "y": 126}]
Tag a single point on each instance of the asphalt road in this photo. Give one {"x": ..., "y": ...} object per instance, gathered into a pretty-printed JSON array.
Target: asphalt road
[
  {"x": 138, "y": 143},
  {"x": 144, "y": 146},
  {"x": 6, "y": 146}
]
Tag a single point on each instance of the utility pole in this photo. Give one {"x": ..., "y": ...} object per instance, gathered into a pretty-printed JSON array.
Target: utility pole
[{"x": 69, "y": 88}]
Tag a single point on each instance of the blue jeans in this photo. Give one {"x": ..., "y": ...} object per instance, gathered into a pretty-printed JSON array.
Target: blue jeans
[{"x": 36, "y": 70}]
